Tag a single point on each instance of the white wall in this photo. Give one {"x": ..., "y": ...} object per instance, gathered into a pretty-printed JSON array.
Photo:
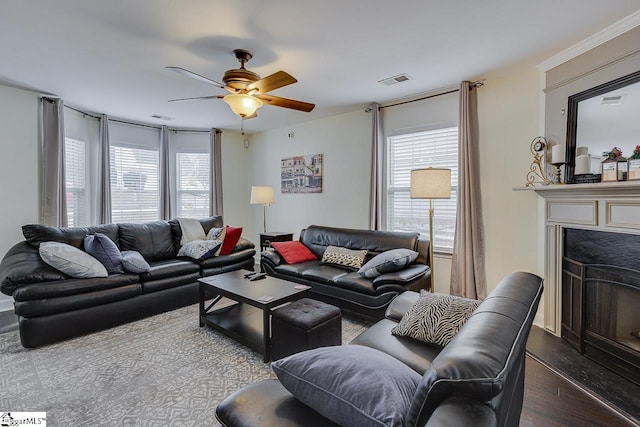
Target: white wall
[
  {"x": 18, "y": 165},
  {"x": 235, "y": 184},
  {"x": 508, "y": 116},
  {"x": 345, "y": 142}
]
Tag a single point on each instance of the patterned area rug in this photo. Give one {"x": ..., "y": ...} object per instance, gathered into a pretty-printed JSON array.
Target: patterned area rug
[{"x": 160, "y": 371}]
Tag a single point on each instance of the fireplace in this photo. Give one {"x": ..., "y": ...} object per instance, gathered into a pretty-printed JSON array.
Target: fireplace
[{"x": 601, "y": 298}]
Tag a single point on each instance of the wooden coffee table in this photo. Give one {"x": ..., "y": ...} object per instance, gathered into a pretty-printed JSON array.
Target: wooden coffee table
[{"x": 248, "y": 321}]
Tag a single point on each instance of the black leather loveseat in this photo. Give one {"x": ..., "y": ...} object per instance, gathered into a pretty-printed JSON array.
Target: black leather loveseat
[
  {"x": 347, "y": 289},
  {"x": 52, "y": 306},
  {"x": 475, "y": 380}
]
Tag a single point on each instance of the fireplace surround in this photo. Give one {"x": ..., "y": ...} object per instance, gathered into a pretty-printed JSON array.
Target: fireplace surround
[{"x": 612, "y": 208}]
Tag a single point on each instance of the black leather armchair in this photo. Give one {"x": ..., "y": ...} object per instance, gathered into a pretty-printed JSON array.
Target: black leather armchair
[{"x": 476, "y": 380}]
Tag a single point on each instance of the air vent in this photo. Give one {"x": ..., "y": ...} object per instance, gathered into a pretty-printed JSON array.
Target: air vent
[
  {"x": 395, "y": 80},
  {"x": 612, "y": 99},
  {"x": 158, "y": 116}
]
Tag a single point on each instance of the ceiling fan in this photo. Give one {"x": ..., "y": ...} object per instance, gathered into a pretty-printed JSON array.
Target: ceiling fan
[{"x": 248, "y": 90}]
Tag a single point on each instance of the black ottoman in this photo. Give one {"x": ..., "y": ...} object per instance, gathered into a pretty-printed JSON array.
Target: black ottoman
[{"x": 303, "y": 325}]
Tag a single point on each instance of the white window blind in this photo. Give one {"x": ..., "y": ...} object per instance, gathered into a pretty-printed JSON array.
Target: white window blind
[
  {"x": 135, "y": 195},
  {"x": 75, "y": 160},
  {"x": 193, "y": 184},
  {"x": 434, "y": 148}
]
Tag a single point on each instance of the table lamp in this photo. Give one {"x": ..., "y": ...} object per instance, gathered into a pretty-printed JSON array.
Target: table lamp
[{"x": 262, "y": 195}]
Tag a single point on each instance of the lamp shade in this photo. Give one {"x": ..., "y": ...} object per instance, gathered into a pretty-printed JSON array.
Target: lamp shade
[
  {"x": 431, "y": 183},
  {"x": 242, "y": 104},
  {"x": 261, "y": 195}
]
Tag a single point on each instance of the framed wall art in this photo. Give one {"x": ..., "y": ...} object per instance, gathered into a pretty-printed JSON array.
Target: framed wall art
[{"x": 301, "y": 174}]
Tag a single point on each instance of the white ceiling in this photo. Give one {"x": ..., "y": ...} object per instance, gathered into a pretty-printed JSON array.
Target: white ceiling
[{"x": 109, "y": 56}]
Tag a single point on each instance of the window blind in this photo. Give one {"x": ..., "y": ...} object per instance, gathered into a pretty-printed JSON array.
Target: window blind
[
  {"x": 75, "y": 160},
  {"x": 436, "y": 148},
  {"x": 135, "y": 195},
  {"x": 193, "y": 184}
]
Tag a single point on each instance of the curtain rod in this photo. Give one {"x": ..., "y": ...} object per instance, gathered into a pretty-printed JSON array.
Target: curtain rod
[
  {"x": 473, "y": 85},
  {"x": 136, "y": 124}
]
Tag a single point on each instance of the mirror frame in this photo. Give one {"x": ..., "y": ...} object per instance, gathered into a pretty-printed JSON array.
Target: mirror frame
[{"x": 572, "y": 117}]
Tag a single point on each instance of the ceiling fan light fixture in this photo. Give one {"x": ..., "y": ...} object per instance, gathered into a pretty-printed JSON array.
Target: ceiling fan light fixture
[{"x": 242, "y": 104}]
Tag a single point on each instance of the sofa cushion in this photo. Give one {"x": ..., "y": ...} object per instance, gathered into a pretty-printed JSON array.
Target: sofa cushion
[
  {"x": 344, "y": 257},
  {"x": 35, "y": 234},
  {"x": 169, "y": 268},
  {"x": 388, "y": 262},
  {"x": 415, "y": 354},
  {"x": 356, "y": 282},
  {"x": 48, "y": 306},
  {"x": 296, "y": 269},
  {"x": 207, "y": 224},
  {"x": 351, "y": 385},
  {"x": 404, "y": 276},
  {"x": 231, "y": 239},
  {"x": 71, "y": 260},
  {"x": 323, "y": 273},
  {"x": 62, "y": 288},
  {"x": 104, "y": 250},
  {"x": 293, "y": 252},
  {"x": 134, "y": 262},
  {"x": 153, "y": 240},
  {"x": 191, "y": 230},
  {"x": 200, "y": 249},
  {"x": 169, "y": 282},
  {"x": 435, "y": 318}
]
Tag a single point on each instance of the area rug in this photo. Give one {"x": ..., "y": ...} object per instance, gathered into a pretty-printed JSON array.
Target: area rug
[{"x": 160, "y": 371}]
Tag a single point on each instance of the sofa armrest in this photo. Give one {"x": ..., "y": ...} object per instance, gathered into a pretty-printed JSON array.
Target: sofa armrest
[
  {"x": 401, "y": 277},
  {"x": 270, "y": 256},
  {"x": 422, "y": 247},
  {"x": 22, "y": 265},
  {"x": 401, "y": 304},
  {"x": 460, "y": 411}
]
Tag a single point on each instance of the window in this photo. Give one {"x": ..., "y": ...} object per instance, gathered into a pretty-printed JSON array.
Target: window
[
  {"x": 436, "y": 148},
  {"x": 135, "y": 195},
  {"x": 75, "y": 159},
  {"x": 193, "y": 183}
]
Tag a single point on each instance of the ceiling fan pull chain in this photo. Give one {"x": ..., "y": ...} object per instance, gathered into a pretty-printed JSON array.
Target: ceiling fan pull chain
[{"x": 241, "y": 125}]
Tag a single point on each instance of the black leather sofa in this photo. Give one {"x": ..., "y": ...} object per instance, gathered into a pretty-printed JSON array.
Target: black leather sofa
[
  {"x": 52, "y": 306},
  {"x": 476, "y": 380},
  {"x": 347, "y": 289}
]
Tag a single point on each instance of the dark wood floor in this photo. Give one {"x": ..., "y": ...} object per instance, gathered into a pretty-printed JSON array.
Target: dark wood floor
[
  {"x": 563, "y": 388},
  {"x": 550, "y": 401}
]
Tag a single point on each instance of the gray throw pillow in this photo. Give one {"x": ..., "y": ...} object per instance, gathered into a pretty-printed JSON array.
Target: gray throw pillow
[
  {"x": 200, "y": 249},
  {"x": 351, "y": 385},
  {"x": 71, "y": 260},
  {"x": 388, "y": 262},
  {"x": 104, "y": 250},
  {"x": 134, "y": 262},
  {"x": 350, "y": 258},
  {"x": 435, "y": 318}
]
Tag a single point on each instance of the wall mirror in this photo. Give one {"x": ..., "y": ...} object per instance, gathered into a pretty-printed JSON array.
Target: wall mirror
[{"x": 601, "y": 118}]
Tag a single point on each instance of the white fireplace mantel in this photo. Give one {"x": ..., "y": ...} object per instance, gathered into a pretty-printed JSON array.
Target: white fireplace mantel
[{"x": 605, "y": 206}]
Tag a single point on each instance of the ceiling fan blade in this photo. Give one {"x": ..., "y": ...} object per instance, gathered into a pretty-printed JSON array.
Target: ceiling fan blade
[
  {"x": 198, "y": 98},
  {"x": 286, "y": 103},
  {"x": 271, "y": 82},
  {"x": 195, "y": 76}
]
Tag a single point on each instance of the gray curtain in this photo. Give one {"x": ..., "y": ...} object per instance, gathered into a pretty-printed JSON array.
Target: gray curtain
[
  {"x": 216, "y": 173},
  {"x": 165, "y": 185},
  {"x": 104, "y": 172},
  {"x": 377, "y": 153},
  {"x": 467, "y": 265},
  {"x": 53, "y": 201}
]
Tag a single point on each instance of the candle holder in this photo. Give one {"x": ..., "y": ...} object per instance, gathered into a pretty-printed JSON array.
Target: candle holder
[{"x": 555, "y": 175}]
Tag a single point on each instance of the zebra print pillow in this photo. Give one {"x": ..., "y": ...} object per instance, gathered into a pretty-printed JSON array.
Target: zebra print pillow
[
  {"x": 435, "y": 318},
  {"x": 344, "y": 257}
]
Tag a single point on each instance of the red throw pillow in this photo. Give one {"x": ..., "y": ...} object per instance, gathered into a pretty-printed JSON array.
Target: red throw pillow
[
  {"x": 293, "y": 252},
  {"x": 230, "y": 239}
]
